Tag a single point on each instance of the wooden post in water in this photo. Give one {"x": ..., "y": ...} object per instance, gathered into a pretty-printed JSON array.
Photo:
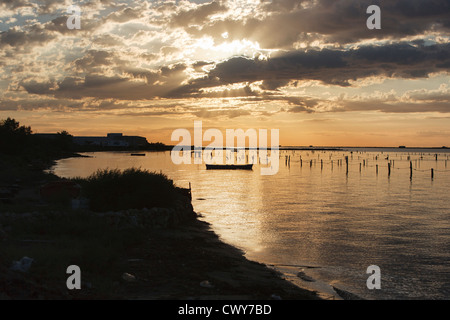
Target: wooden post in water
[
  {"x": 410, "y": 170},
  {"x": 377, "y": 169},
  {"x": 310, "y": 163},
  {"x": 190, "y": 192},
  {"x": 432, "y": 173},
  {"x": 346, "y": 165},
  {"x": 389, "y": 169},
  {"x": 321, "y": 164}
]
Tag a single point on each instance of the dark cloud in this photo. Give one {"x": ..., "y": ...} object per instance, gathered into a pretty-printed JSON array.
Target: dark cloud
[
  {"x": 97, "y": 85},
  {"x": 125, "y": 15},
  {"x": 166, "y": 74},
  {"x": 298, "y": 109},
  {"x": 172, "y": 70},
  {"x": 108, "y": 40},
  {"x": 198, "y": 65},
  {"x": 198, "y": 15},
  {"x": 283, "y": 5},
  {"x": 58, "y": 24},
  {"x": 34, "y": 87},
  {"x": 274, "y": 84},
  {"x": 95, "y": 81},
  {"x": 194, "y": 87},
  {"x": 20, "y": 39},
  {"x": 51, "y": 6},
  {"x": 331, "y": 21},
  {"x": 336, "y": 67},
  {"x": 148, "y": 56},
  {"x": 227, "y": 93},
  {"x": 94, "y": 59},
  {"x": 14, "y": 4},
  {"x": 303, "y": 102},
  {"x": 148, "y": 75}
]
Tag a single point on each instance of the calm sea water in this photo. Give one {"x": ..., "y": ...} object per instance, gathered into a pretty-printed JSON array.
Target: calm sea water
[{"x": 312, "y": 217}]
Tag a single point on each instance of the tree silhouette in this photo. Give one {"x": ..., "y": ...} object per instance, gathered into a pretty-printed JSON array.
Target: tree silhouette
[{"x": 14, "y": 138}]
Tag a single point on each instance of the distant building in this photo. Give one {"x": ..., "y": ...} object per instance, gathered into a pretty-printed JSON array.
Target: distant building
[{"x": 111, "y": 140}]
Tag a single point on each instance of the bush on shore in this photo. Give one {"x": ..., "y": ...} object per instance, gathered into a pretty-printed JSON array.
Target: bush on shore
[{"x": 114, "y": 190}]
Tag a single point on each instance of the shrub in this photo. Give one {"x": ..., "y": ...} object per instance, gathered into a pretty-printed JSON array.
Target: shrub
[
  {"x": 14, "y": 139},
  {"x": 114, "y": 190}
]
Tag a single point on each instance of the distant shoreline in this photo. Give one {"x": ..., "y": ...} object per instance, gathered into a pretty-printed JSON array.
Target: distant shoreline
[
  {"x": 281, "y": 147},
  {"x": 343, "y": 148}
]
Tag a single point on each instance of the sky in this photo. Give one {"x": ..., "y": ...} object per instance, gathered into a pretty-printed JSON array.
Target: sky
[{"x": 310, "y": 68}]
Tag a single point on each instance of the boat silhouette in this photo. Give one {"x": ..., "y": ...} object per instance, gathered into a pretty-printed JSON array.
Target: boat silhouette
[{"x": 229, "y": 166}]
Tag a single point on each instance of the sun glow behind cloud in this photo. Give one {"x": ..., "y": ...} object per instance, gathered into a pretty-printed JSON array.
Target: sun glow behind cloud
[{"x": 206, "y": 48}]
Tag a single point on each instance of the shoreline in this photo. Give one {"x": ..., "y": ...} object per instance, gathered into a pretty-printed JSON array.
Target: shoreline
[
  {"x": 186, "y": 261},
  {"x": 208, "y": 269}
]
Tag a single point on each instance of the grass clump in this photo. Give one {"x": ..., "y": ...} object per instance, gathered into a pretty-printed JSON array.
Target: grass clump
[{"x": 114, "y": 190}]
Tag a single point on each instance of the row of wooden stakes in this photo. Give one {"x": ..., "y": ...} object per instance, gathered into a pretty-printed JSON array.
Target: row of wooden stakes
[{"x": 390, "y": 165}]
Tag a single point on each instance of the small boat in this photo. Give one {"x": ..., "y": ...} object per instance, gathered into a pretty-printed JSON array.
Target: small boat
[
  {"x": 229, "y": 166},
  {"x": 138, "y": 154}
]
